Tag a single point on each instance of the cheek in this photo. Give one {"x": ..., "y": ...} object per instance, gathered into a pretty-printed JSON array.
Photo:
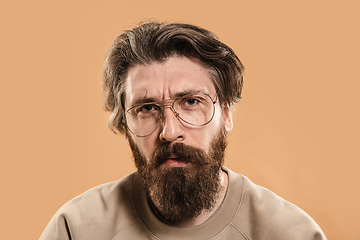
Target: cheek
[
  {"x": 203, "y": 137},
  {"x": 217, "y": 122},
  {"x": 147, "y": 145}
]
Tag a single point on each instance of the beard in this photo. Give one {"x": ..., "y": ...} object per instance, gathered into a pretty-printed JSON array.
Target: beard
[{"x": 182, "y": 193}]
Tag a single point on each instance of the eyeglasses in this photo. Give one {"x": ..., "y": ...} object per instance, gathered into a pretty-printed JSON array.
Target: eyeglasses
[{"x": 193, "y": 109}]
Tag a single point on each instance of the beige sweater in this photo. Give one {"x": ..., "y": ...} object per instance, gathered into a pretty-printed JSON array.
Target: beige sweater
[{"x": 119, "y": 210}]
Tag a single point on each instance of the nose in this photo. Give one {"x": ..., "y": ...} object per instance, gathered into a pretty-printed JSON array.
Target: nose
[{"x": 172, "y": 129}]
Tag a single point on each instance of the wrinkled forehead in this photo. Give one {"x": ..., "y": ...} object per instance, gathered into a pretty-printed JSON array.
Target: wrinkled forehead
[{"x": 159, "y": 81}]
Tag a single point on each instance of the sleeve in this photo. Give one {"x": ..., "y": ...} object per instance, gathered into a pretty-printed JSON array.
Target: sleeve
[
  {"x": 265, "y": 215},
  {"x": 57, "y": 229}
]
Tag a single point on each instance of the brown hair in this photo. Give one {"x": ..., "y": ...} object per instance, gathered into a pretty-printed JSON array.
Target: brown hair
[{"x": 155, "y": 41}]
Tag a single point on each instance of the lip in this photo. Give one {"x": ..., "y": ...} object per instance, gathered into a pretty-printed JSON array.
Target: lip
[{"x": 174, "y": 161}]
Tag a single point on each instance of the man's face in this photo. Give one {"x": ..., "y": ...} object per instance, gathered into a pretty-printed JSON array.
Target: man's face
[
  {"x": 161, "y": 81},
  {"x": 182, "y": 154}
]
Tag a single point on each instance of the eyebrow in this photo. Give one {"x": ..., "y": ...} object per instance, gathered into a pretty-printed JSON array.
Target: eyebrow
[
  {"x": 146, "y": 99},
  {"x": 185, "y": 92},
  {"x": 143, "y": 100}
]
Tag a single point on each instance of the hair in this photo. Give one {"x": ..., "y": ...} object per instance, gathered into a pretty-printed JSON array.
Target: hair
[{"x": 157, "y": 42}]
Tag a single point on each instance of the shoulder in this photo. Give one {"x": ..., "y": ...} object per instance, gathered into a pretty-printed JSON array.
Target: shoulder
[
  {"x": 104, "y": 209},
  {"x": 103, "y": 199},
  {"x": 263, "y": 214}
]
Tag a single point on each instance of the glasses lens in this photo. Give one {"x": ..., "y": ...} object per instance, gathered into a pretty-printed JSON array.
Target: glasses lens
[
  {"x": 142, "y": 120},
  {"x": 195, "y": 109}
]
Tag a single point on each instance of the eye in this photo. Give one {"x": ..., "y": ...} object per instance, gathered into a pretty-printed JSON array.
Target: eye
[
  {"x": 147, "y": 108},
  {"x": 191, "y": 101}
]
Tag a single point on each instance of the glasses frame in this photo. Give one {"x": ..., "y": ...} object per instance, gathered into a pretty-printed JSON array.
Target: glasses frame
[{"x": 173, "y": 110}]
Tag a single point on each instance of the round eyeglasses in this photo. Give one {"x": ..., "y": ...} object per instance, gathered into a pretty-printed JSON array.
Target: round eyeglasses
[{"x": 196, "y": 109}]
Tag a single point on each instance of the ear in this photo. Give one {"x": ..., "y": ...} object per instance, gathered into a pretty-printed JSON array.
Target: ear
[{"x": 227, "y": 115}]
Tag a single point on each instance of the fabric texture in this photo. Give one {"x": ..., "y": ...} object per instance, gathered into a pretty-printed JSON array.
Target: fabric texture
[{"x": 120, "y": 210}]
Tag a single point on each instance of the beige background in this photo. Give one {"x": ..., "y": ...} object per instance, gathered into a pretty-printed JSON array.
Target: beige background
[{"x": 296, "y": 130}]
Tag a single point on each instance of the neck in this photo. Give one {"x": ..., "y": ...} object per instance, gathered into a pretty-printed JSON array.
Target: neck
[{"x": 205, "y": 215}]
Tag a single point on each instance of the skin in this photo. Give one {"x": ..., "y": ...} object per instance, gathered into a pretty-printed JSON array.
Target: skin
[{"x": 161, "y": 81}]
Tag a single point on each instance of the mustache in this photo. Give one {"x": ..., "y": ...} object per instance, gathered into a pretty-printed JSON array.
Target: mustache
[{"x": 181, "y": 150}]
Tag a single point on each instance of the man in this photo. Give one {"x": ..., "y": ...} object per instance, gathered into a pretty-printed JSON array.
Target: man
[{"x": 171, "y": 89}]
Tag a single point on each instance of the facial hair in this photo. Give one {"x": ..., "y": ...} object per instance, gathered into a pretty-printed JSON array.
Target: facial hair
[{"x": 182, "y": 192}]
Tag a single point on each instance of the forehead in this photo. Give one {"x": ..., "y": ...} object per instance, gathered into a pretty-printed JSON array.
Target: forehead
[{"x": 160, "y": 81}]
